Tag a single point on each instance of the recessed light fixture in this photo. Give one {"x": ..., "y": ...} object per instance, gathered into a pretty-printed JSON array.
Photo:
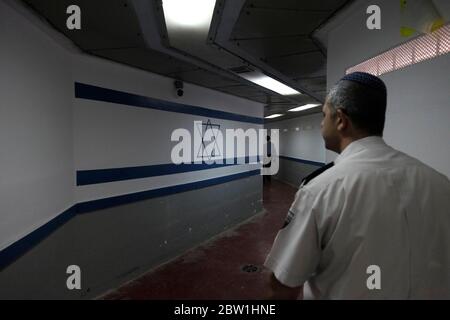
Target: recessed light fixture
[
  {"x": 276, "y": 115},
  {"x": 262, "y": 80},
  {"x": 305, "y": 107},
  {"x": 188, "y": 14}
]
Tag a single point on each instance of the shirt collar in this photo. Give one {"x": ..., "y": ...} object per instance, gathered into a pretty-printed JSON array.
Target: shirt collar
[{"x": 358, "y": 145}]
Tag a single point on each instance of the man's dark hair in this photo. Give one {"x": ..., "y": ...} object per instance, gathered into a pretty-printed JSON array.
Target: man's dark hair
[{"x": 362, "y": 97}]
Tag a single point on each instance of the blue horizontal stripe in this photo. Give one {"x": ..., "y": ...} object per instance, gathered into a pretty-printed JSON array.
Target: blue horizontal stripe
[
  {"x": 87, "y": 177},
  {"x": 90, "y": 92},
  {"x": 144, "y": 195},
  {"x": 313, "y": 163},
  {"x": 20, "y": 247}
]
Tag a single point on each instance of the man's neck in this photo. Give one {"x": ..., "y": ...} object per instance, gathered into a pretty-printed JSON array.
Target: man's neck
[{"x": 345, "y": 141}]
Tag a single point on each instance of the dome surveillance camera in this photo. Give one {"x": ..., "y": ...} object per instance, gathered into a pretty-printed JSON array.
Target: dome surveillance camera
[{"x": 179, "y": 88}]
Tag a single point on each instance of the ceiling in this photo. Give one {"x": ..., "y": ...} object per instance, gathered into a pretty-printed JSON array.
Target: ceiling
[{"x": 275, "y": 37}]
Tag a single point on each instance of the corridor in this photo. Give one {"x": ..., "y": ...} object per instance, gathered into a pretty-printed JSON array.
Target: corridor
[{"x": 214, "y": 270}]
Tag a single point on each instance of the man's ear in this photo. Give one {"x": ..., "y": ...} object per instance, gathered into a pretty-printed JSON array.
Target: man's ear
[{"x": 342, "y": 120}]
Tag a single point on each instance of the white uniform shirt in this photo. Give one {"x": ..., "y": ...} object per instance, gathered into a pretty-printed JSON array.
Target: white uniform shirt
[{"x": 376, "y": 206}]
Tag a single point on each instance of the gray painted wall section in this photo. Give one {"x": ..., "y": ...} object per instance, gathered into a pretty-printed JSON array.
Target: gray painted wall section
[
  {"x": 293, "y": 172},
  {"x": 114, "y": 245}
]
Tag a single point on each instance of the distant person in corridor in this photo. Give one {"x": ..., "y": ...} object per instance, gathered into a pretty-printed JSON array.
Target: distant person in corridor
[
  {"x": 374, "y": 206},
  {"x": 269, "y": 148}
]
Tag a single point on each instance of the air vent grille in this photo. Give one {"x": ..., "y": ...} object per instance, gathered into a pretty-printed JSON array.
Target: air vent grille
[{"x": 423, "y": 48}]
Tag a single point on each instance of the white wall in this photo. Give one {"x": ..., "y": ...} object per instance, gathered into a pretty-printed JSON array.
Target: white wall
[
  {"x": 306, "y": 143},
  {"x": 109, "y": 135},
  {"x": 36, "y": 160},
  {"x": 418, "y": 112},
  {"x": 46, "y": 134}
]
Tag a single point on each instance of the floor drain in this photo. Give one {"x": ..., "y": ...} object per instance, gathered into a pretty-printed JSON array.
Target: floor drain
[{"x": 250, "y": 268}]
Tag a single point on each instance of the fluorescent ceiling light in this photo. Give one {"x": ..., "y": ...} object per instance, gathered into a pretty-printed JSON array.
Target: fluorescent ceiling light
[
  {"x": 276, "y": 115},
  {"x": 305, "y": 107},
  {"x": 267, "y": 82},
  {"x": 188, "y": 14}
]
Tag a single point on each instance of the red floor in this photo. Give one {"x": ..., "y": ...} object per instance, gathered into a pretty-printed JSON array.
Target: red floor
[{"x": 214, "y": 270}]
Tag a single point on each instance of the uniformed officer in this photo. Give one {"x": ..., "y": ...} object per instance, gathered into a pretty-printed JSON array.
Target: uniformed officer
[{"x": 375, "y": 224}]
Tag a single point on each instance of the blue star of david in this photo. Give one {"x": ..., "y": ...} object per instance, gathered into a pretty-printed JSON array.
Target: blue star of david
[{"x": 210, "y": 126}]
